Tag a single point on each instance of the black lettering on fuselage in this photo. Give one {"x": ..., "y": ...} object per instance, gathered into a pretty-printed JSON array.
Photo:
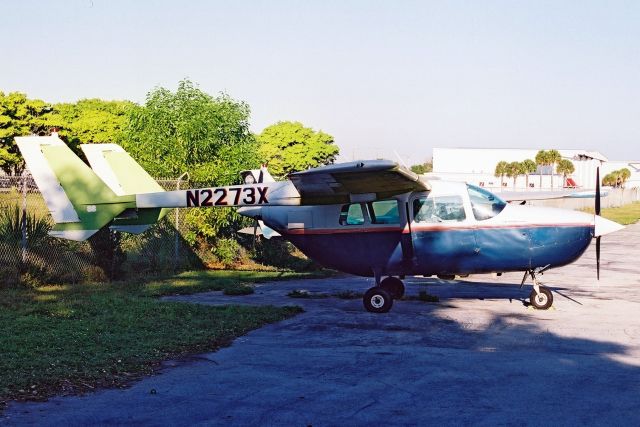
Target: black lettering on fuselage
[
  {"x": 236, "y": 198},
  {"x": 193, "y": 198},
  {"x": 207, "y": 199},
  {"x": 250, "y": 197},
  {"x": 223, "y": 195},
  {"x": 205, "y": 196},
  {"x": 262, "y": 192}
]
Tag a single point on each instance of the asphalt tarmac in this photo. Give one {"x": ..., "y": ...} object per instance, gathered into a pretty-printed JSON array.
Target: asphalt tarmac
[{"x": 478, "y": 356}]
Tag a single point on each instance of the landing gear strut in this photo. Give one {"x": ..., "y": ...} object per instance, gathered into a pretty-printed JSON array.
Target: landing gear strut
[{"x": 541, "y": 297}]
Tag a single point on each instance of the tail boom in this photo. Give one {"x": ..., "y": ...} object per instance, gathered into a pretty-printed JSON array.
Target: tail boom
[{"x": 275, "y": 193}]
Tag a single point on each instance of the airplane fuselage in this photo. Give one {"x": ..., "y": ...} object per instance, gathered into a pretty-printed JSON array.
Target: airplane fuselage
[{"x": 452, "y": 229}]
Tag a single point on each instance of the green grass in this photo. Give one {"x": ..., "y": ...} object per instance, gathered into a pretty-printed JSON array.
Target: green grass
[
  {"x": 218, "y": 280},
  {"x": 66, "y": 339},
  {"x": 625, "y": 215}
]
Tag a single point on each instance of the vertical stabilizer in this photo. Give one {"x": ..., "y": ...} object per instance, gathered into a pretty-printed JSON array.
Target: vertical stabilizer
[
  {"x": 79, "y": 201},
  {"x": 124, "y": 176}
]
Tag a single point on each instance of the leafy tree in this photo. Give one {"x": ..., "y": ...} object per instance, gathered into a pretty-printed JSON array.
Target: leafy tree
[
  {"x": 617, "y": 178},
  {"x": 20, "y": 116},
  {"x": 501, "y": 171},
  {"x": 625, "y": 174},
  {"x": 290, "y": 146},
  {"x": 565, "y": 167},
  {"x": 423, "y": 168},
  {"x": 528, "y": 167},
  {"x": 513, "y": 170},
  {"x": 93, "y": 120},
  {"x": 191, "y": 131}
]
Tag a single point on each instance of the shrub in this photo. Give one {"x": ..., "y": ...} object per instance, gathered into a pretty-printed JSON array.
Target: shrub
[
  {"x": 11, "y": 219},
  {"x": 94, "y": 274},
  {"x": 227, "y": 251}
]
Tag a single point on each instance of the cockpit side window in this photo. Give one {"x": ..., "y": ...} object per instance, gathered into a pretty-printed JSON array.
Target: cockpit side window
[
  {"x": 352, "y": 214},
  {"x": 438, "y": 209},
  {"x": 384, "y": 212},
  {"x": 485, "y": 204}
]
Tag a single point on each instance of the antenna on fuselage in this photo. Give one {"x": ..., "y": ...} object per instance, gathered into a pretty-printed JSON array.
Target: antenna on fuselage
[{"x": 401, "y": 159}]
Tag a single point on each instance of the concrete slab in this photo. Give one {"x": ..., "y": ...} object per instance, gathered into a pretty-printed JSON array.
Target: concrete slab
[{"x": 479, "y": 356}]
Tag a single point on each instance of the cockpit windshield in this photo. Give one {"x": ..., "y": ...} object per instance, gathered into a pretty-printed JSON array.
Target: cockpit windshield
[{"x": 485, "y": 204}]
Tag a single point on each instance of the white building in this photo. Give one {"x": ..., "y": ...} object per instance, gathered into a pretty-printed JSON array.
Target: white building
[{"x": 477, "y": 166}]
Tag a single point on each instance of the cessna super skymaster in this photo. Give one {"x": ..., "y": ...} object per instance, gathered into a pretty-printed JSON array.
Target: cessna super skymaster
[{"x": 368, "y": 218}]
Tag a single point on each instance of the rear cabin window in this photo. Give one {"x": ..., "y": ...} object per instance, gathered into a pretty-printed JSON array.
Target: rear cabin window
[
  {"x": 352, "y": 215},
  {"x": 484, "y": 203},
  {"x": 384, "y": 212},
  {"x": 438, "y": 209}
]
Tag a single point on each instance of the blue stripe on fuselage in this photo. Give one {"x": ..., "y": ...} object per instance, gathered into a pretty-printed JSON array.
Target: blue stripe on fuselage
[{"x": 447, "y": 251}]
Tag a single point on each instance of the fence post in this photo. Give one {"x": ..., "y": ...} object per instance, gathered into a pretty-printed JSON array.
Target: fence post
[
  {"x": 23, "y": 220},
  {"x": 176, "y": 248}
]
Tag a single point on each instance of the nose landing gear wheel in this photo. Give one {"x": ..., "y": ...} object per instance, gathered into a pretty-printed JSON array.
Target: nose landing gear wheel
[
  {"x": 377, "y": 300},
  {"x": 394, "y": 286},
  {"x": 541, "y": 300}
]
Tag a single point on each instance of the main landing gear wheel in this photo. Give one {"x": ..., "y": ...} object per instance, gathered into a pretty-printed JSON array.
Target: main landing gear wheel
[
  {"x": 541, "y": 300},
  {"x": 377, "y": 300},
  {"x": 394, "y": 286}
]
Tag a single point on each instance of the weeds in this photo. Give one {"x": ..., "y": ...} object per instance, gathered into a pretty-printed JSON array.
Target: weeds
[{"x": 302, "y": 293}]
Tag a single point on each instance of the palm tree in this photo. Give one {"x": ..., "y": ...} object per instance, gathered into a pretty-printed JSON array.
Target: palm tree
[
  {"x": 625, "y": 174},
  {"x": 528, "y": 166},
  {"x": 565, "y": 167},
  {"x": 513, "y": 170},
  {"x": 553, "y": 158},
  {"x": 542, "y": 160},
  {"x": 501, "y": 170},
  {"x": 610, "y": 179}
]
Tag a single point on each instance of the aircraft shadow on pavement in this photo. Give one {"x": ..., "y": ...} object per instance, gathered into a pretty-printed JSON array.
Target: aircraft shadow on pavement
[{"x": 461, "y": 289}]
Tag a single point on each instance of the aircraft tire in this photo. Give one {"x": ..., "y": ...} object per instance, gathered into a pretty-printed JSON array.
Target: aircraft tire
[
  {"x": 394, "y": 286},
  {"x": 377, "y": 300},
  {"x": 543, "y": 300}
]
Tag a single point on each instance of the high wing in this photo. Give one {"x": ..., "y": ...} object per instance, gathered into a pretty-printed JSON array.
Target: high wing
[
  {"x": 116, "y": 191},
  {"x": 353, "y": 182},
  {"x": 523, "y": 196}
]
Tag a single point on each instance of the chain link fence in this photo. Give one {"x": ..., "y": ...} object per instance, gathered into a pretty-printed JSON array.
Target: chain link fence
[{"x": 28, "y": 253}]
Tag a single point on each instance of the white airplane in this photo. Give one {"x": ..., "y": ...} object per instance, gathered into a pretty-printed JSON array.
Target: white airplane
[{"x": 368, "y": 218}]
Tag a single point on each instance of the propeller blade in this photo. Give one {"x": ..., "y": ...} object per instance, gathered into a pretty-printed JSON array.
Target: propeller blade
[
  {"x": 598, "y": 257},
  {"x": 597, "y": 209}
]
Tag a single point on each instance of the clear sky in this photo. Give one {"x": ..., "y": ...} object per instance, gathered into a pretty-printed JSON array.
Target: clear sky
[{"x": 378, "y": 76}]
